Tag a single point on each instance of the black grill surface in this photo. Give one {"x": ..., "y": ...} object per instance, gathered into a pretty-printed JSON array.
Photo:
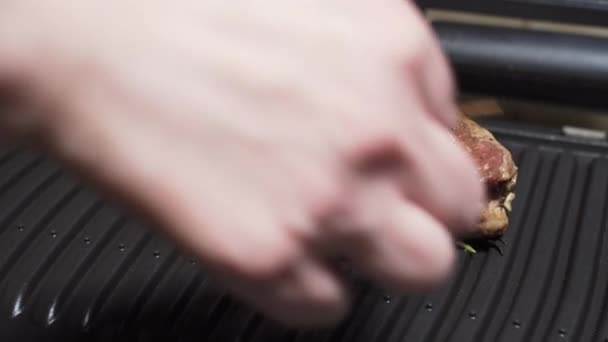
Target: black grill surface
[{"x": 75, "y": 267}]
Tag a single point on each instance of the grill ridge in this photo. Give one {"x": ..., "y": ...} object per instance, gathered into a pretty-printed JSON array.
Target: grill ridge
[{"x": 558, "y": 233}]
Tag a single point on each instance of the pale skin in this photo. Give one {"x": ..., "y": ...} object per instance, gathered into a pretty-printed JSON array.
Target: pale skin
[{"x": 266, "y": 137}]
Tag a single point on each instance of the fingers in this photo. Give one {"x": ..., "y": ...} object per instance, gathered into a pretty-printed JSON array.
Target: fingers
[
  {"x": 441, "y": 177},
  {"x": 433, "y": 170},
  {"x": 296, "y": 288},
  {"x": 256, "y": 258},
  {"x": 307, "y": 293},
  {"x": 392, "y": 240}
]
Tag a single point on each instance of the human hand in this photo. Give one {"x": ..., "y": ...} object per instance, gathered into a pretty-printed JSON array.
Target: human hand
[{"x": 265, "y": 136}]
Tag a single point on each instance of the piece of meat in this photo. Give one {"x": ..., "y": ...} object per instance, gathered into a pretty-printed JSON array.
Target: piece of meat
[{"x": 497, "y": 171}]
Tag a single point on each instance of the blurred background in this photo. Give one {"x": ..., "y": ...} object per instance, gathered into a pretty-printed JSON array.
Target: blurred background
[{"x": 574, "y": 19}]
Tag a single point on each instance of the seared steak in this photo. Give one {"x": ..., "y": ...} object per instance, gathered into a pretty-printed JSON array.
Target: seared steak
[{"x": 497, "y": 171}]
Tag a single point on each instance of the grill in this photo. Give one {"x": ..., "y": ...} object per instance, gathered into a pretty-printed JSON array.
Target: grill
[{"x": 74, "y": 267}]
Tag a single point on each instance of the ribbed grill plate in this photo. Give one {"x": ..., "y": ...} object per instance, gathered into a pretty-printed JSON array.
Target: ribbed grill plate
[{"x": 73, "y": 267}]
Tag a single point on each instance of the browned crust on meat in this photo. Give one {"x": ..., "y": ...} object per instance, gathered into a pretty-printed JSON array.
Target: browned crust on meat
[
  {"x": 499, "y": 175},
  {"x": 471, "y": 135}
]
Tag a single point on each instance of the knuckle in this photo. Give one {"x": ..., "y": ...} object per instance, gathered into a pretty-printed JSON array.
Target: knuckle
[
  {"x": 328, "y": 199},
  {"x": 412, "y": 48},
  {"x": 378, "y": 150},
  {"x": 324, "y": 187},
  {"x": 412, "y": 56}
]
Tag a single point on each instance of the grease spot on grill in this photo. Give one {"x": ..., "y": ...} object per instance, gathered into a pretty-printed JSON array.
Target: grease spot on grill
[
  {"x": 472, "y": 315},
  {"x": 516, "y": 324},
  {"x": 122, "y": 247},
  {"x": 562, "y": 332},
  {"x": 156, "y": 254},
  {"x": 53, "y": 234},
  {"x": 429, "y": 306}
]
